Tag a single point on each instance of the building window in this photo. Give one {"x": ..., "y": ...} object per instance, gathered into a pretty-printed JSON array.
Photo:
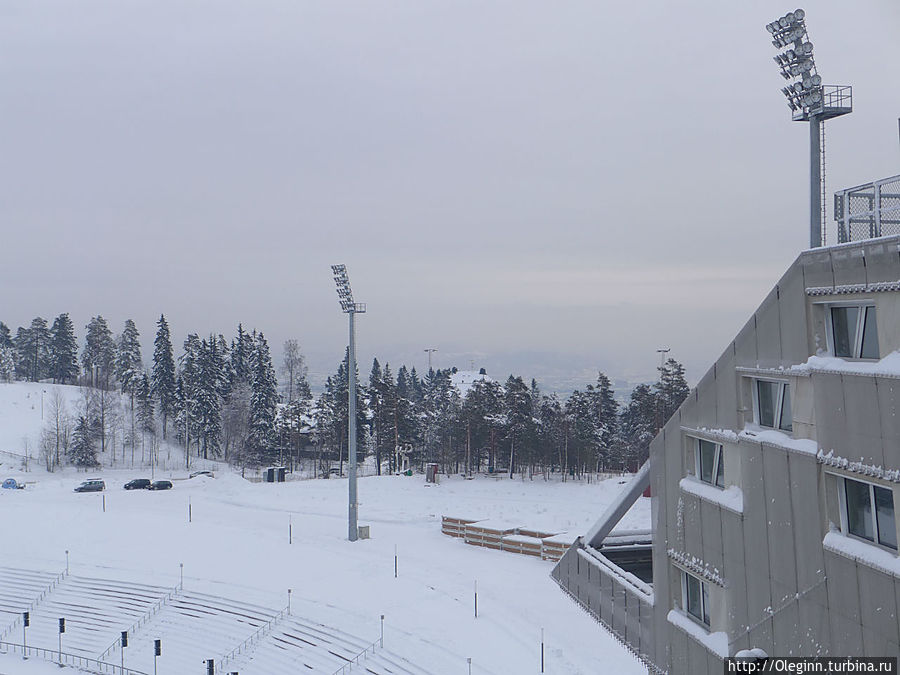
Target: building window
[
  {"x": 695, "y": 597},
  {"x": 710, "y": 463},
  {"x": 854, "y": 332},
  {"x": 868, "y": 512},
  {"x": 773, "y": 405}
]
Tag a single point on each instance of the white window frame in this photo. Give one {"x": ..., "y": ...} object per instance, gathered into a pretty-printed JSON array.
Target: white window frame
[
  {"x": 845, "y": 516},
  {"x": 779, "y": 403},
  {"x": 718, "y": 460},
  {"x": 864, "y": 306},
  {"x": 704, "y": 598}
]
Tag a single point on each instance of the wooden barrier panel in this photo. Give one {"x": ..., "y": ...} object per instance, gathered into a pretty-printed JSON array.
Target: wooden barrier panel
[
  {"x": 488, "y": 533},
  {"x": 455, "y": 527},
  {"x": 517, "y": 543}
]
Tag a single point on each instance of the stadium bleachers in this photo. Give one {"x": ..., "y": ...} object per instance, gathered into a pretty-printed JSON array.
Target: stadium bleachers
[{"x": 192, "y": 626}]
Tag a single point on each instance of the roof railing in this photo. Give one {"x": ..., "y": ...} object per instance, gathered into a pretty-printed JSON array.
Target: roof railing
[{"x": 868, "y": 211}]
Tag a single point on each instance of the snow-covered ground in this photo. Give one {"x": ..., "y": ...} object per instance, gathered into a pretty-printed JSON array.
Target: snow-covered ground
[{"x": 237, "y": 547}]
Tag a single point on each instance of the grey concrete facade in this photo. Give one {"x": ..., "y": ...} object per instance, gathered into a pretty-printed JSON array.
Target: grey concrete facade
[{"x": 773, "y": 546}]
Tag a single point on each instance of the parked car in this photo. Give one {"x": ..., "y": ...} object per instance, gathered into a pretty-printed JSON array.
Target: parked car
[
  {"x": 161, "y": 485},
  {"x": 203, "y": 473},
  {"x": 92, "y": 485},
  {"x": 11, "y": 484},
  {"x": 137, "y": 484}
]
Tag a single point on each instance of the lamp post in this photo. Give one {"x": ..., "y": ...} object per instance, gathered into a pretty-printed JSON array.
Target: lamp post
[
  {"x": 809, "y": 101},
  {"x": 351, "y": 308}
]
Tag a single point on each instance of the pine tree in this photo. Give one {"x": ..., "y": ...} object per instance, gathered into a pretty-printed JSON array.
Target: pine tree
[
  {"x": 7, "y": 363},
  {"x": 33, "y": 350},
  {"x": 129, "y": 364},
  {"x": 519, "y": 418},
  {"x": 671, "y": 389},
  {"x": 605, "y": 413},
  {"x": 162, "y": 381},
  {"x": 82, "y": 452},
  {"x": 5, "y": 336},
  {"x": 639, "y": 423},
  {"x": 99, "y": 352},
  {"x": 63, "y": 350}
]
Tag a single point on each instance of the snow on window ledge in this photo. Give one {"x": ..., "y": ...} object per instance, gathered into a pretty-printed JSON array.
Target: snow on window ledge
[
  {"x": 863, "y": 552},
  {"x": 889, "y": 366},
  {"x": 716, "y": 642},
  {"x": 730, "y": 498},
  {"x": 778, "y": 439}
]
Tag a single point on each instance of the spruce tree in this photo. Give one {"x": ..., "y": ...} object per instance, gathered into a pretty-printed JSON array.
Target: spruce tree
[
  {"x": 208, "y": 397},
  {"x": 144, "y": 399},
  {"x": 188, "y": 388},
  {"x": 408, "y": 421},
  {"x": 162, "y": 381},
  {"x": 241, "y": 348},
  {"x": 63, "y": 350},
  {"x": 82, "y": 452},
  {"x": 129, "y": 364},
  {"x": 263, "y": 401}
]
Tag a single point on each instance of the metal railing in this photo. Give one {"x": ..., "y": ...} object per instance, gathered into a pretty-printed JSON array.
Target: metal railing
[
  {"x": 258, "y": 635},
  {"x": 145, "y": 617},
  {"x": 57, "y": 580},
  {"x": 364, "y": 654},
  {"x": 66, "y": 659},
  {"x": 868, "y": 211}
]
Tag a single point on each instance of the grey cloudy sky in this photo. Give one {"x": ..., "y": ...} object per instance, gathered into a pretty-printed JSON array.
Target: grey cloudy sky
[{"x": 550, "y": 187}]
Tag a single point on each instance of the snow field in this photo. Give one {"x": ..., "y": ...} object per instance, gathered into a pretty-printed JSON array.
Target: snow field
[{"x": 236, "y": 548}]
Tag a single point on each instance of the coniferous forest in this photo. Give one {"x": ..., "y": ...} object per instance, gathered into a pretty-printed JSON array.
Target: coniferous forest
[{"x": 222, "y": 399}]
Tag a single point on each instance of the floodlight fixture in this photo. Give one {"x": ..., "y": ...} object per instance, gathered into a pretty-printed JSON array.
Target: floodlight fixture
[
  {"x": 809, "y": 101},
  {"x": 351, "y": 308}
]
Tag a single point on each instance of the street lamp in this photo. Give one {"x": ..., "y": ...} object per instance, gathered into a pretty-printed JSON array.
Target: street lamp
[
  {"x": 809, "y": 101},
  {"x": 351, "y": 308}
]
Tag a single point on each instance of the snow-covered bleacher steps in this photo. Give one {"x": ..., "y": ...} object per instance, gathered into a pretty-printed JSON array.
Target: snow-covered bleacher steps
[
  {"x": 19, "y": 588},
  {"x": 298, "y": 645},
  {"x": 95, "y": 610},
  {"x": 194, "y": 627}
]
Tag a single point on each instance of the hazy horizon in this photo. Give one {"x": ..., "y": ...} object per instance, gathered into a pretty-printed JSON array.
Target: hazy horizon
[{"x": 571, "y": 186}]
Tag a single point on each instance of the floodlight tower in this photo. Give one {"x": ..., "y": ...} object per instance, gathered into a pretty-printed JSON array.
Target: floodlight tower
[
  {"x": 810, "y": 101},
  {"x": 351, "y": 308}
]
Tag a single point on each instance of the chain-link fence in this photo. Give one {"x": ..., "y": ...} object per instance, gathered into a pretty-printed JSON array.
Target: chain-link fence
[{"x": 868, "y": 211}]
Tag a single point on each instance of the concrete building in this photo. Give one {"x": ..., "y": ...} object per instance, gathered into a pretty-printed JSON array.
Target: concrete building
[{"x": 774, "y": 485}]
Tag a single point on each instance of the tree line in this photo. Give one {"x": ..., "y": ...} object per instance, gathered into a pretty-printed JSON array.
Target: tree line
[{"x": 222, "y": 400}]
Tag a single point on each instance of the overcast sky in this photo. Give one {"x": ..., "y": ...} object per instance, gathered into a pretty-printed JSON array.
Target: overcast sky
[{"x": 553, "y": 187}]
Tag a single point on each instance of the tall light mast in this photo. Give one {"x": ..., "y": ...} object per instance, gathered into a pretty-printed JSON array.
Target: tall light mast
[
  {"x": 351, "y": 308},
  {"x": 809, "y": 101}
]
